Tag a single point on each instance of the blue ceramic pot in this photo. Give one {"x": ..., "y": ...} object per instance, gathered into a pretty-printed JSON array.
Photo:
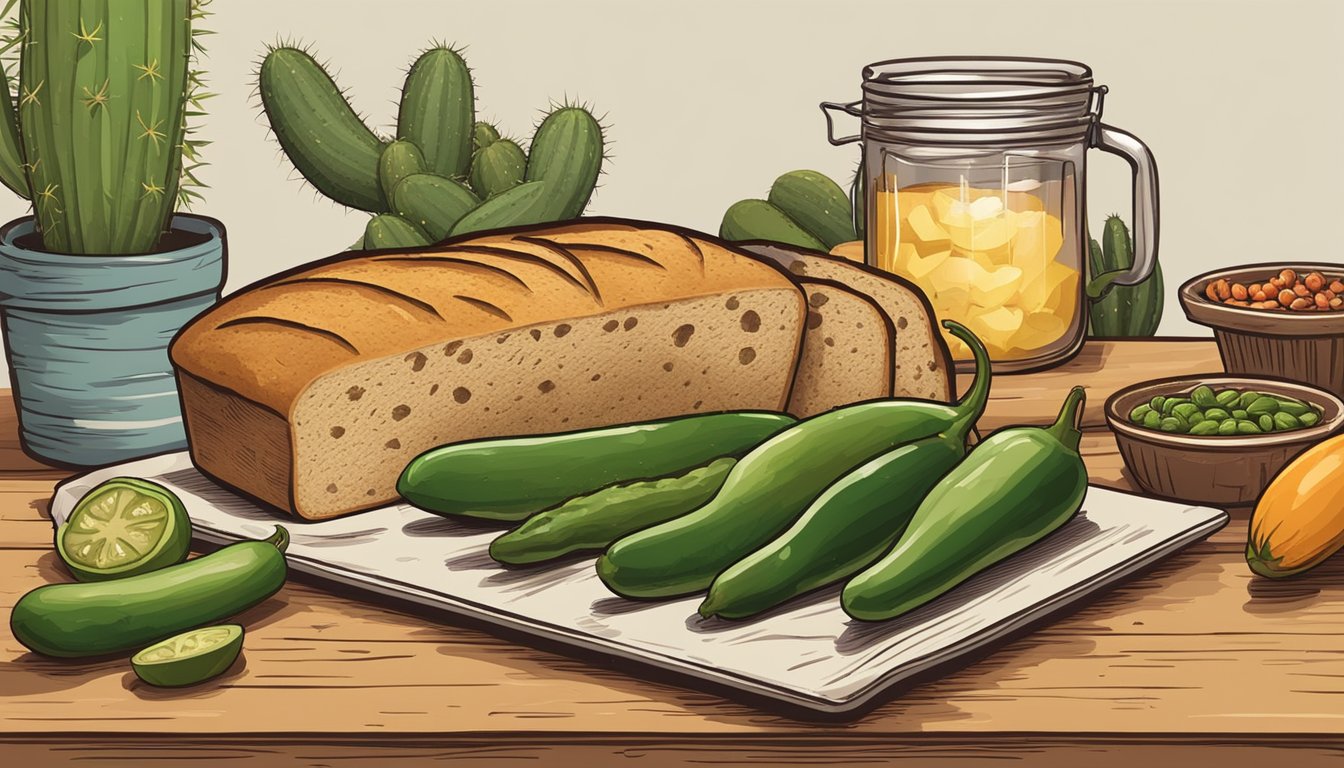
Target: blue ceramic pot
[{"x": 87, "y": 341}]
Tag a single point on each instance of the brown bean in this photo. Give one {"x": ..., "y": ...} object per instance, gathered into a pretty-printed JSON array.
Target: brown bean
[
  {"x": 1259, "y": 296},
  {"x": 1336, "y": 303},
  {"x": 1239, "y": 291},
  {"x": 1286, "y": 297},
  {"x": 1237, "y": 303},
  {"x": 1337, "y": 286},
  {"x": 1211, "y": 292},
  {"x": 1276, "y": 282},
  {"x": 1322, "y": 302},
  {"x": 1301, "y": 290},
  {"x": 1272, "y": 303},
  {"x": 1314, "y": 282},
  {"x": 1254, "y": 288},
  {"x": 1300, "y": 303},
  {"x": 1224, "y": 290},
  {"x": 1288, "y": 276}
]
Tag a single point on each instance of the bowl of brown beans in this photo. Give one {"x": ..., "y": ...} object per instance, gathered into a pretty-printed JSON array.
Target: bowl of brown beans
[{"x": 1284, "y": 320}]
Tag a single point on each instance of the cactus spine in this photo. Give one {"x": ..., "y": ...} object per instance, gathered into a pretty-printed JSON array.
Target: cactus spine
[
  {"x": 105, "y": 89},
  {"x": 419, "y": 181}
]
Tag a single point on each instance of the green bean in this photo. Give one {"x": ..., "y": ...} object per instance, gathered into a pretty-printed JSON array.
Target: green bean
[
  {"x": 1266, "y": 422},
  {"x": 1228, "y": 427},
  {"x": 1263, "y": 405},
  {"x": 1284, "y": 420},
  {"x": 1309, "y": 419},
  {"x": 1249, "y": 428},
  {"x": 1246, "y": 399},
  {"x": 1217, "y": 414},
  {"x": 1138, "y": 413},
  {"x": 1188, "y": 412},
  {"x": 1227, "y": 397},
  {"x": 1239, "y": 414}
]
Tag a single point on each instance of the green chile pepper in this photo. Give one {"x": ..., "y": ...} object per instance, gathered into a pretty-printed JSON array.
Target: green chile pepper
[
  {"x": 100, "y": 617},
  {"x": 595, "y": 520},
  {"x": 515, "y": 477},
  {"x": 1015, "y": 487},
  {"x": 774, "y": 483},
  {"x": 841, "y": 533}
]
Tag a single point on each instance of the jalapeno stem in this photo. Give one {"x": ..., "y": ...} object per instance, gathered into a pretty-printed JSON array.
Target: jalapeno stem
[
  {"x": 280, "y": 538},
  {"x": 1066, "y": 427},
  {"x": 972, "y": 404}
]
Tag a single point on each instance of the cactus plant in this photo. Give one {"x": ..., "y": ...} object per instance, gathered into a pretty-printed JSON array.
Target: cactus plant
[
  {"x": 98, "y": 139},
  {"x": 1124, "y": 310},
  {"x": 498, "y": 167},
  {"x": 445, "y": 173}
]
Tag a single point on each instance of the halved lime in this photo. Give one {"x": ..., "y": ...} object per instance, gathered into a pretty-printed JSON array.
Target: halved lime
[
  {"x": 191, "y": 657},
  {"x": 124, "y": 527}
]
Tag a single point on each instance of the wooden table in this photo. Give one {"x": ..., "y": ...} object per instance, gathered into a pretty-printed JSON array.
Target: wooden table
[{"x": 1194, "y": 662}]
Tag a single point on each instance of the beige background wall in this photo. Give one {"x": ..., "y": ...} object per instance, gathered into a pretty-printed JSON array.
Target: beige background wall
[{"x": 709, "y": 100}]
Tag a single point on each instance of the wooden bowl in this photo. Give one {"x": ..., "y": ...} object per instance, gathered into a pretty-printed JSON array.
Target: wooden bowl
[
  {"x": 1221, "y": 471},
  {"x": 1301, "y": 346}
]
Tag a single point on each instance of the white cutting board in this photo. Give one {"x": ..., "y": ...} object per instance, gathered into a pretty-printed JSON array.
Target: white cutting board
[{"x": 807, "y": 654}]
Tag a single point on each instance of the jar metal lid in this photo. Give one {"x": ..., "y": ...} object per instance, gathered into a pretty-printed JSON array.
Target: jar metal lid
[{"x": 978, "y": 101}]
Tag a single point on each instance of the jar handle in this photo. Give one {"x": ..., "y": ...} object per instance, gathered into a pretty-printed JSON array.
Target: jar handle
[
  {"x": 1134, "y": 152},
  {"x": 853, "y": 109}
]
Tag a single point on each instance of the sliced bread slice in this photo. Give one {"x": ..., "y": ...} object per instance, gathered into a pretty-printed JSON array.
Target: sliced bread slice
[
  {"x": 923, "y": 364},
  {"x": 847, "y": 350}
]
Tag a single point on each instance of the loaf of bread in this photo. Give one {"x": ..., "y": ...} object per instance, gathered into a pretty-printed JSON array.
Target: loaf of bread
[
  {"x": 923, "y": 363},
  {"x": 311, "y": 391},
  {"x": 847, "y": 354}
]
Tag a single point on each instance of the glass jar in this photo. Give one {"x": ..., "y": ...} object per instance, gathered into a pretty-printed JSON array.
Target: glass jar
[{"x": 974, "y": 189}]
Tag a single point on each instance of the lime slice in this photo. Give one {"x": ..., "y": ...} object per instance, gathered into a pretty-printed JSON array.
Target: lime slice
[
  {"x": 189, "y": 658},
  {"x": 122, "y": 528}
]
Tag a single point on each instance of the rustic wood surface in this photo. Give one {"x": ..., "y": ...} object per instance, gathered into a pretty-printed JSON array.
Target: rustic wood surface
[{"x": 1192, "y": 662}]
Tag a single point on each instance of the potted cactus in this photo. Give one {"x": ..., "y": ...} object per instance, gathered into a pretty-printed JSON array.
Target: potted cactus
[{"x": 95, "y": 283}]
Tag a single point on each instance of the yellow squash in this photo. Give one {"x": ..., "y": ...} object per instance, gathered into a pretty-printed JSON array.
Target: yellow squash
[{"x": 1299, "y": 520}]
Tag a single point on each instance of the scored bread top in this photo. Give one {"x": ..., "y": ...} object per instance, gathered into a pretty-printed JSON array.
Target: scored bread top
[{"x": 269, "y": 341}]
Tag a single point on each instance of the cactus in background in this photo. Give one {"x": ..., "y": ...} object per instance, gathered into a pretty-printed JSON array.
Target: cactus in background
[
  {"x": 433, "y": 203},
  {"x": 1124, "y": 310},
  {"x": 498, "y": 167},
  {"x": 566, "y": 153},
  {"x": 416, "y": 185},
  {"x": 438, "y": 107},
  {"x": 388, "y": 230},
  {"x": 804, "y": 208},
  {"x": 399, "y": 159},
  {"x": 483, "y": 135},
  {"x": 98, "y": 138},
  {"x": 325, "y": 140}
]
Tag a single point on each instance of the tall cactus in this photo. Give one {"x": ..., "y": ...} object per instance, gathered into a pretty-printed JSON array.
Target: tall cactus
[{"x": 104, "y": 92}]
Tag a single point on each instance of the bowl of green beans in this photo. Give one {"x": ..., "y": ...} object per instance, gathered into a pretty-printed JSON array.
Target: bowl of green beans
[{"x": 1217, "y": 439}]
